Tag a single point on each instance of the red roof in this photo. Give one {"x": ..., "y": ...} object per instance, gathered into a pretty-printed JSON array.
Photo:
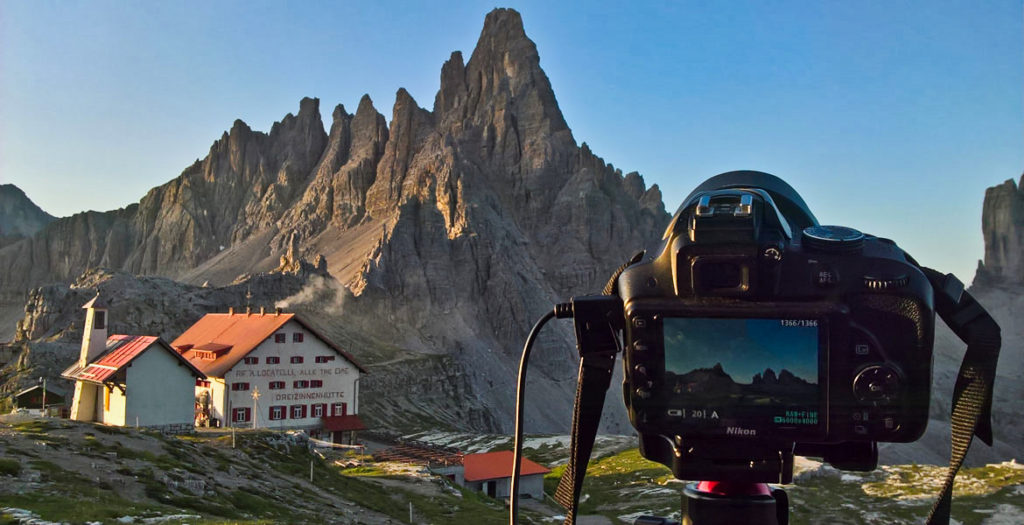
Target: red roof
[
  {"x": 238, "y": 334},
  {"x": 495, "y": 465},
  {"x": 343, "y": 423},
  {"x": 121, "y": 350}
]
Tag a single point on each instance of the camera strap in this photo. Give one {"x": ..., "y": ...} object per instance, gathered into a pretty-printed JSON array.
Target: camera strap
[
  {"x": 597, "y": 342},
  {"x": 972, "y": 394}
]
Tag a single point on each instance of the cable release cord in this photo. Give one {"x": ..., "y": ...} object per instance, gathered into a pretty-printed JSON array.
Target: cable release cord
[{"x": 561, "y": 311}]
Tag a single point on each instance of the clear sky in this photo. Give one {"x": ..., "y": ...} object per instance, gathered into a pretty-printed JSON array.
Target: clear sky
[
  {"x": 889, "y": 117},
  {"x": 743, "y": 347}
]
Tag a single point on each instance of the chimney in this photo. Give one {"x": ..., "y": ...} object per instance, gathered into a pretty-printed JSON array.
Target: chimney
[
  {"x": 248, "y": 310},
  {"x": 231, "y": 310},
  {"x": 94, "y": 333},
  {"x": 277, "y": 310},
  {"x": 262, "y": 311}
]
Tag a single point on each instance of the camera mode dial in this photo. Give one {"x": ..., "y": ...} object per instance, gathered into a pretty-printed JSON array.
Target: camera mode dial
[
  {"x": 877, "y": 384},
  {"x": 833, "y": 239}
]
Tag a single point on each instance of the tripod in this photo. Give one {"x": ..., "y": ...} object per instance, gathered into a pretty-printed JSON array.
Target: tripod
[{"x": 719, "y": 502}]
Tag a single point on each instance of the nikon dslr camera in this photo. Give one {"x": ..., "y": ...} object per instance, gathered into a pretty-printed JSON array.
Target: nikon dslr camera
[{"x": 750, "y": 329}]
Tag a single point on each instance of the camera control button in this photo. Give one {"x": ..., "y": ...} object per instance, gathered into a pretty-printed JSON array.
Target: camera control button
[
  {"x": 641, "y": 347},
  {"x": 825, "y": 277},
  {"x": 876, "y": 384},
  {"x": 639, "y": 322},
  {"x": 883, "y": 282},
  {"x": 889, "y": 424},
  {"x": 643, "y": 393}
]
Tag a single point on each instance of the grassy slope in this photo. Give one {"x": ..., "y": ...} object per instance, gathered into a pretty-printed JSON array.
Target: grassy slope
[
  {"x": 265, "y": 479},
  {"x": 64, "y": 471},
  {"x": 626, "y": 485}
]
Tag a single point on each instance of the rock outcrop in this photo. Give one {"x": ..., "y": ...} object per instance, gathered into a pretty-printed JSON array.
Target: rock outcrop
[
  {"x": 19, "y": 216},
  {"x": 1002, "y": 223},
  {"x": 447, "y": 232}
]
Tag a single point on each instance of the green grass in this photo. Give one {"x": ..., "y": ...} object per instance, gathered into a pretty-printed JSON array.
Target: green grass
[
  {"x": 36, "y": 426},
  {"x": 92, "y": 502},
  {"x": 613, "y": 482},
  {"x": 9, "y": 467}
]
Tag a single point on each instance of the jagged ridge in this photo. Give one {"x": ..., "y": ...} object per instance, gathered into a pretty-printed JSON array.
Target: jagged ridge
[{"x": 452, "y": 229}]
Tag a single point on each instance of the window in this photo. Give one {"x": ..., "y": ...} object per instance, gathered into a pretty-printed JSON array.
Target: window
[
  {"x": 296, "y": 359},
  {"x": 319, "y": 409},
  {"x": 239, "y": 386},
  {"x": 298, "y": 411},
  {"x": 273, "y": 360},
  {"x": 280, "y": 338},
  {"x": 301, "y": 383},
  {"x": 201, "y": 383},
  {"x": 99, "y": 320},
  {"x": 240, "y": 415},
  {"x": 324, "y": 358},
  {"x": 277, "y": 413},
  {"x": 251, "y": 360},
  {"x": 340, "y": 409},
  {"x": 316, "y": 383},
  {"x": 297, "y": 337},
  {"x": 276, "y": 385}
]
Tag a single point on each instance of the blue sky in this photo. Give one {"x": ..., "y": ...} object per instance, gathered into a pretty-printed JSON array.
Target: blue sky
[
  {"x": 743, "y": 347},
  {"x": 890, "y": 117}
]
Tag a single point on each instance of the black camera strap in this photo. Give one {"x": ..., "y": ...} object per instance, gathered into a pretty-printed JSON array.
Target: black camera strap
[
  {"x": 972, "y": 394},
  {"x": 595, "y": 376},
  {"x": 597, "y": 342}
]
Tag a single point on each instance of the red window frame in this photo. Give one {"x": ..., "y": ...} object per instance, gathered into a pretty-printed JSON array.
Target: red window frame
[
  {"x": 278, "y": 412},
  {"x": 297, "y": 337},
  {"x": 296, "y": 359},
  {"x": 241, "y": 415},
  {"x": 339, "y": 409},
  {"x": 297, "y": 411},
  {"x": 202, "y": 383},
  {"x": 316, "y": 383},
  {"x": 319, "y": 410},
  {"x": 273, "y": 360},
  {"x": 300, "y": 383},
  {"x": 276, "y": 385},
  {"x": 251, "y": 360},
  {"x": 324, "y": 358},
  {"x": 280, "y": 338},
  {"x": 235, "y": 387}
]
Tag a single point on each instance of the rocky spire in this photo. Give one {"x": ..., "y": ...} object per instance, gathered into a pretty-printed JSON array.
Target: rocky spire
[
  {"x": 411, "y": 126},
  {"x": 1002, "y": 224}
]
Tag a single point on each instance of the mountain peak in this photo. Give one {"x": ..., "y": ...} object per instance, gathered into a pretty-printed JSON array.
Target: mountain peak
[
  {"x": 18, "y": 214},
  {"x": 503, "y": 23}
]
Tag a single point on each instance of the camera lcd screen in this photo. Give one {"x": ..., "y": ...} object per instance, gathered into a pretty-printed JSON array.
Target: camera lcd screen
[{"x": 743, "y": 376}]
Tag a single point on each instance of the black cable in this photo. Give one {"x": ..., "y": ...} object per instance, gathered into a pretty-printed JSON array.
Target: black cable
[{"x": 560, "y": 311}]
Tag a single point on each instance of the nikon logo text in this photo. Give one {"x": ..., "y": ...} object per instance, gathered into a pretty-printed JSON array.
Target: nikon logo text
[{"x": 737, "y": 431}]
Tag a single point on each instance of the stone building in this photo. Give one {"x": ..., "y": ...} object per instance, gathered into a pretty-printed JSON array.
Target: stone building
[
  {"x": 272, "y": 370},
  {"x": 135, "y": 380}
]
